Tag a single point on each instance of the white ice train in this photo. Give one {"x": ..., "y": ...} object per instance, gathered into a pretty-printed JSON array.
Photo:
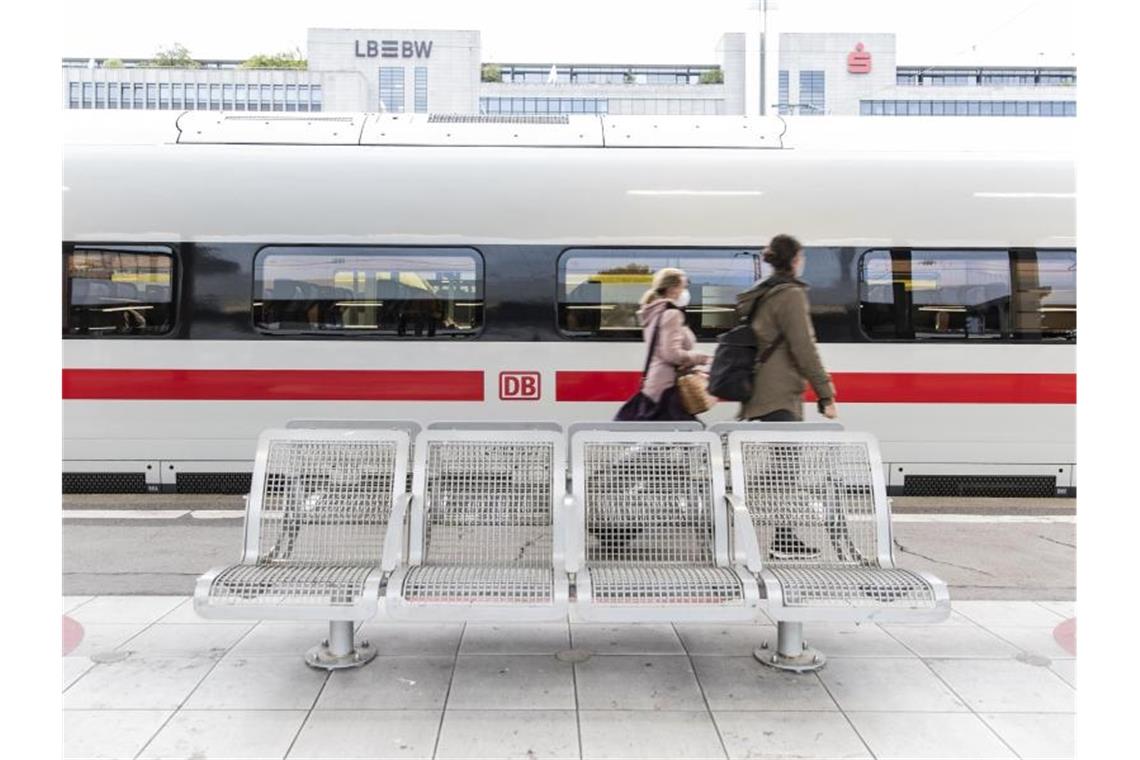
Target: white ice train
[{"x": 224, "y": 273}]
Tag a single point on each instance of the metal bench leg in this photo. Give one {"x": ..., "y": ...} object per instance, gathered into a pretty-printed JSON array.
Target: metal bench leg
[
  {"x": 792, "y": 652},
  {"x": 337, "y": 651}
]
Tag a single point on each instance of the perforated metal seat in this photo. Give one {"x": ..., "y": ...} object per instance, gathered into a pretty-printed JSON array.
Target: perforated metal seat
[
  {"x": 650, "y": 532},
  {"x": 484, "y": 534},
  {"x": 815, "y": 520},
  {"x": 314, "y": 533}
]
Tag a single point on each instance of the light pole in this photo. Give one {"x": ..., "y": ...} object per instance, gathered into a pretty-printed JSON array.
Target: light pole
[{"x": 763, "y": 7}]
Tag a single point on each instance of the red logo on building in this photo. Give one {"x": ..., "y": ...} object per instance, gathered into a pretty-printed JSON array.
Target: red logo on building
[
  {"x": 859, "y": 61},
  {"x": 520, "y": 386}
]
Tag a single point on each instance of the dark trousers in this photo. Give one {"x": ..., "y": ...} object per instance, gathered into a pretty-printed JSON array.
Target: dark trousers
[{"x": 780, "y": 415}]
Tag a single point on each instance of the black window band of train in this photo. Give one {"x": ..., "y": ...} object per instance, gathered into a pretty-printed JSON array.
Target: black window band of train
[{"x": 549, "y": 293}]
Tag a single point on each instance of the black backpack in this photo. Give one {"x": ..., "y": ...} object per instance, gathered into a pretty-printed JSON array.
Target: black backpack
[{"x": 735, "y": 360}]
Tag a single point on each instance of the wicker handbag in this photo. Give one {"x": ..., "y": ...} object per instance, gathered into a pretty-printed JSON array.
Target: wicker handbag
[{"x": 694, "y": 389}]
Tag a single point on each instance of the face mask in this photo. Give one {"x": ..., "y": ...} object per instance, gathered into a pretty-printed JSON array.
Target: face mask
[{"x": 683, "y": 299}]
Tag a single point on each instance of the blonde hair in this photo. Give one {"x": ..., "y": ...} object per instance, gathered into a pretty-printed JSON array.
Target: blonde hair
[{"x": 663, "y": 279}]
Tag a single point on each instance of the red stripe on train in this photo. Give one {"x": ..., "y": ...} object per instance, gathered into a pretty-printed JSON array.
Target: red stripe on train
[
  {"x": 869, "y": 387},
  {"x": 273, "y": 385}
]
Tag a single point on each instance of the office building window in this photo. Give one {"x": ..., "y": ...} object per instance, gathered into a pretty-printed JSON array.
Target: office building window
[
  {"x": 140, "y": 95},
  {"x": 302, "y": 97},
  {"x": 265, "y": 102},
  {"x": 421, "y": 89},
  {"x": 228, "y": 97},
  {"x": 392, "y": 89},
  {"x": 100, "y": 94},
  {"x": 315, "y": 97},
  {"x": 152, "y": 95},
  {"x": 783, "y": 93},
  {"x": 812, "y": 99},
  {"x": 73, "y": 97},
  {"x": 967, "y": 108},
  {"x": 278, "y": 97},
  {"x": 176, "y": 99},
  {"x": 112, "y": 95},
  {"x": 290, "y": 97},
  {"x": 88, "y": 94}
]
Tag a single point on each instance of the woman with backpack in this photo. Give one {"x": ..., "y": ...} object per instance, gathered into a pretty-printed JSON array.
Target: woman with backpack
[
  {"x": 780, "y": 316},
  {"x": 785, "y": 338}
]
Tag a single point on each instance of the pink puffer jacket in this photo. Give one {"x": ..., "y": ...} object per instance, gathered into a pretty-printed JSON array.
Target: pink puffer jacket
[{"x": 674, "y": 347}]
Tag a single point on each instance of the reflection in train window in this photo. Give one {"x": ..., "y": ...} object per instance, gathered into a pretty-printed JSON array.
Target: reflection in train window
[
  {"x": 118, "y": 291},
  {"x": 968, "y": 295},
  {"x": 413, "y": 292},
  {"x": 1045, "y": 296},
  {"x": 599, "y": 290}
]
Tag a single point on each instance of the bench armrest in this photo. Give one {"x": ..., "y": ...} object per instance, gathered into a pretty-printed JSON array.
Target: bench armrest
[
  {"x": 394, "y": 538},
  {"x": 575, "y": 527},
  {"x": 745, "y": 549}
]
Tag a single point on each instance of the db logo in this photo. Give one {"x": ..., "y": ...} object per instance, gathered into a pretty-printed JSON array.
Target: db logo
[{"x": 520, "y": 386}]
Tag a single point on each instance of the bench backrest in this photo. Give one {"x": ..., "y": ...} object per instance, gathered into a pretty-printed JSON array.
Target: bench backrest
[
  {"x": 827, "y": 487},
  {"x": 650, "y": 497},
  {"x": 490, "y": 498},
  {"x": 323, "y": 497}
]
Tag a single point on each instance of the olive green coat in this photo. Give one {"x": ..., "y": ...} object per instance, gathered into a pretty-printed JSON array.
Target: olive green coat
[{"x": 779, "y": 382}]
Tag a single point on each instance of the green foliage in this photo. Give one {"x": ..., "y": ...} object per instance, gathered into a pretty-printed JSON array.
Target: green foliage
[
  {"x": 174, "y": 57},
  {"x": 288, "y": 60},
  {"x": 712, "y": 76},
  {"x": 491, "y": 73},
  {"x": 113, "y": 63}
]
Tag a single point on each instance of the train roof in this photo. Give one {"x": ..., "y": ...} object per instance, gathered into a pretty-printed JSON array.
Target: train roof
[{"x": 848, "y": 133}]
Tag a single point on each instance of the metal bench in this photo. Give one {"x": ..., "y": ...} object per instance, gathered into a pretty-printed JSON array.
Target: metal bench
[
  {"x": 650, "y": 530},
  {"x": 484, "y": 538},
  {"x": 315, "y": 526},
  {"x": 827, "y": 489}
]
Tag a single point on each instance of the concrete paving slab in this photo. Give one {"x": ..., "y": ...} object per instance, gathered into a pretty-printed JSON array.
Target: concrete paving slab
[
  {"x": 1006, "y": 685},
  {"x": 742, "y": 683},
  {"x": 938, "y": 736},
  {"x": 533, "y": 638},
  {"x": 511, "y": 682},
  {"x": 258, "y": 683},
  {"x": 230, "y": 734},
  {"x": 367, "y": 735},
  {"x": 633, "y": 682},
  {"x": 723, "y": 639},
  {"x": 508, "y": 735},
  {"x": 889, "y": 684},
  {"x": 787, "y": 734},
  {"x": 626, "y": 639},
  {"x": 1034, "y": 735},
  {"x": 390, "y": 683},
  {"x": 951, "y": 641},
  {"x": 109, "y": 734},
  {"x": 138, "y": 683},
  {"x": 652, "y": 735}
]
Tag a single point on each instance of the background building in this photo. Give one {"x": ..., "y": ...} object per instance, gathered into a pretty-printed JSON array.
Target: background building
[{"x": 421, "y": 71}]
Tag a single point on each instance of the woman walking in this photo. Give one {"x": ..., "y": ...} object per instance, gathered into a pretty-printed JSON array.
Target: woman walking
[
  {"x": 669, "y": 349},
  {"x": 785, "y": 338}
]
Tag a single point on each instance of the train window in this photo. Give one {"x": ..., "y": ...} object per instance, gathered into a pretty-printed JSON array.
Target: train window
[
  {"x": 936, "y": 295},
  {"x": 413, "y": 292},
  {"x": 1045, "y": 295},
  {"x": 599, "y": 290},
  {"x": 118, "y": 290}
]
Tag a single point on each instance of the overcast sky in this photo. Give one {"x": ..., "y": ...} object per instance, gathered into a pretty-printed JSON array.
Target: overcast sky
[{"x": 1022, "y": 32}]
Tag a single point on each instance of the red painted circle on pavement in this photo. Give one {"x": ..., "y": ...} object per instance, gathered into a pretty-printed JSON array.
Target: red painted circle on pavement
[
  {"x": 72, "y": 635},
  {"x": 1066, "y": 635}
]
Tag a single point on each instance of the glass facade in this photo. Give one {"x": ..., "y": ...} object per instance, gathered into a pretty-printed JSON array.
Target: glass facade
[
  {"x": 812, "y": 99},
  {"x": 421, "y": 89},
  {"x": 967, "y": 108},
  {"x": 987, "y": 77},
  {"x": 783, "y": 93},
  {"x": 392, "y": 89},
  {"x": 514, "y": 73},
  {"x": 543, "y": 105},
  {"x": 194, "y": 96}
]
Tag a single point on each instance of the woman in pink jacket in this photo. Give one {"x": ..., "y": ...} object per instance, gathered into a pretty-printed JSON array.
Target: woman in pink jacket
[{"x": 663, "y": 311}]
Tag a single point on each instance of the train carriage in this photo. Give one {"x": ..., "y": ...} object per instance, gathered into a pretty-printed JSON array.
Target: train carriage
[{"x": 224, "y": 273}]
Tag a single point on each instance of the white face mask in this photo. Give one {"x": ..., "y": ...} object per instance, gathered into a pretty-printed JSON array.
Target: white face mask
[{"x": 683, "y": 299}]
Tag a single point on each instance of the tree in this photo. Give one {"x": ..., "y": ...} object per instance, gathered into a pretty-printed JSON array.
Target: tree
[
  {"x": 712, "y": 76},
  {"x": 491, "y": 73},
  {"x": 113, "y": 63},
  {"x": 174, "y": 57},
  {"x": 288, "y": 60}
]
